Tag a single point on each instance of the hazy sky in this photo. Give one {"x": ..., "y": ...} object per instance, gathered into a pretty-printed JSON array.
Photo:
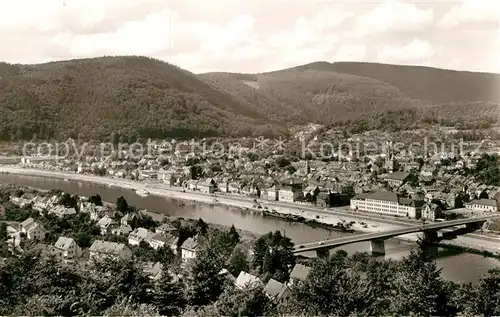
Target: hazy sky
[{"x": 255, "y": 35}]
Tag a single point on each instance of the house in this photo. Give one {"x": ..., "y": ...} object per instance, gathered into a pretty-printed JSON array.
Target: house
[
  {"x": 129, "y": 219},
  {"x": 271, "y": 194},
  {"x": 431, "y": 211},
  {"x": 189, "y": 248},
  {"x": 192, "y": 184},
  {"x": 311, "y": 192},
  {"x": 148, "y": 174},
  {"x": 299, "y": 273},
  {"x": 105, "y": 249},
  {"x": 323, "y": 199},
  {"x": 223, "y": 187},
  {"x": 387, "y": 203},
  {"x": 67, "y": 248},
  {"x": 276, "y": 291},
  {"x": 138, "y": 235},
  {"x": 289, "y": 194},
  {"x": 165, "y": 228},
  {"x": 106, "y": 224},
  {"x": 411, "y": 166},
  {"x": 246, "y": 280},
  {"x": 62, "y": 211},
  {"x": 484, "y": 205},
  {"x": 167, "y": 177},
  {"x": 32, "y": 229},
  {"x": 153, "y": 270},
  {"x": 397, "y": 179},
  {"x": 172, "y": 241},
  {"x": 122, "y": 230},
  {"x": 157, "y": 241},
  {"x": 207, "y": 186}
]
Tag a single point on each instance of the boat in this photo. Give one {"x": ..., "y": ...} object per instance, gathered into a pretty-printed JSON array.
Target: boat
[{"x": 142, "y": 192}]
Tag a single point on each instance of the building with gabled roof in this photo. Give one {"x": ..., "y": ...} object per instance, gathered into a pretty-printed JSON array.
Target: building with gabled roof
[
  {"x": 105, "y": 249},
  {"x": 67, "y": 248}
]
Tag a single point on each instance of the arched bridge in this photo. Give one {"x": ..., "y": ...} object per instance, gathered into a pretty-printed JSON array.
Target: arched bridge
[{"x": 377, "y": 238}]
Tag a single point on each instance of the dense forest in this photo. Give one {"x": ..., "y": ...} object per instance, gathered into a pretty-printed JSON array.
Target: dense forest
[
  {"x": 340, "y": 285},
  {"x": 138, "y": 97},
  {"x": 130, "y": 96}
]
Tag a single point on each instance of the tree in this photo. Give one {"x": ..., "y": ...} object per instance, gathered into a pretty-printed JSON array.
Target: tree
[
  {"x": 251, "y": 302},
  {"x": 234, "y": 235},
  {"x": 332, "y": 290},
  {"x": 3, "y": 231},
  {"x": 126, "y": 307},
  {"x": 169, "y": 296},
  {"x": 204, "y": 283},
  {"x": 238, "y": 261},
  {"x": 201, "y": 227},
  {"x": 83, "y": 239},
  {"x": 488, "y": 291},
  {"x": 273, "y": 255},
  {"x": 96, "y": 200},
  {"x": 122, "y": 205},
  {"x": 69, "y": 201},
  {"x": 419, "y": 289}
]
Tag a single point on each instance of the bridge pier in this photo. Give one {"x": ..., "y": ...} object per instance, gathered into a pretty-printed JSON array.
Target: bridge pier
[
  {"x": 473, "y": 226},
  {"x": 377, "y": 247},
  {"x": 430, "y": 236},
  {"x": 322, "y": 253}
]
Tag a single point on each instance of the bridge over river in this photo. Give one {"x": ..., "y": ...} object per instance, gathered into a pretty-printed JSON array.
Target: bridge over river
[{"x": 377, "y": 238}]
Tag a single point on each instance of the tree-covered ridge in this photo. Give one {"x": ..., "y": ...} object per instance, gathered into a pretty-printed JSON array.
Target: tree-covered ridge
[
  {"x": 384, "y": 96},
  {"x": 310, "y": 95},
  {"x": 424, "y": 83},
  {"x": 130, "y": 96}
]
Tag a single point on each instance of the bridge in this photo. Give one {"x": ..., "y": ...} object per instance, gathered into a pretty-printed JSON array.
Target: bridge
[{"x": 377, "y": 239}]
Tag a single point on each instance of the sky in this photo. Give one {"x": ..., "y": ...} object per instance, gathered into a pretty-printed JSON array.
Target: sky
[{"x": 255, "y": 35}]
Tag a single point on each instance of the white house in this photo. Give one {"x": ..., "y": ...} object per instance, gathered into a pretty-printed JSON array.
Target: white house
[
  {"x": 157, "y": 241},
  {"x": 67, "y": 248},
  {"x": 32, "y": 229},
  {"x": 106, "y": 225},
  {"x": 246, "y": 280},
  {"x": 138, "y": 235},
  {"x": 189, "y": 248}
]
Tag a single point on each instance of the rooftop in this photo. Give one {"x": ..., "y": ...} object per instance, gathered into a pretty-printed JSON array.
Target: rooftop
[
  {"x": 107, "y": 247},
  {"x": 63, "y": 243}
]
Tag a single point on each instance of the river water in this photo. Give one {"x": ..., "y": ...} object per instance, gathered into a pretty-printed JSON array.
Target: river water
[{"x": 456, "y": 266}]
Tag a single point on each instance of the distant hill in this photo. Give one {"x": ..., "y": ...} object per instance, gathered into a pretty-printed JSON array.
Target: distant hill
[
  {"x": 333, "y": 92},
  {"x": 425, "y": 83},
  {"x": 306, "y": 95},
  {"x": 130, "y": 97},
  {"x": 136, "y": 97}
]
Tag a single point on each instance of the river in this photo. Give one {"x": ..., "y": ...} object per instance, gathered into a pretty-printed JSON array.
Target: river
[{"x": 456, "y": 266}]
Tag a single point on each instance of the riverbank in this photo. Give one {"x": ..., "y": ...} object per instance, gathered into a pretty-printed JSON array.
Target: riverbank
[{"x": 361, "y": 224}]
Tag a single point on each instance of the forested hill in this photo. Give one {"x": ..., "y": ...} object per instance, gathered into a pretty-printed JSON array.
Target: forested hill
[
  {"x": 331, "y": 92},
  {"x": 131, "y": 97},
  {"x": 138, "y": 97}
]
